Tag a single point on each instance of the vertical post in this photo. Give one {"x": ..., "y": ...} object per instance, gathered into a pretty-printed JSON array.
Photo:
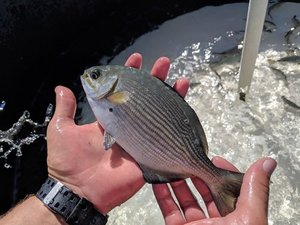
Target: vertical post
[{"x": 254, "y": 26}]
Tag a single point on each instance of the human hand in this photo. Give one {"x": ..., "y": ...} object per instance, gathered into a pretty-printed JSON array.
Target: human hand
[
  {"x": 251, "y": 207},
  {"x": 76, "y": 154}
]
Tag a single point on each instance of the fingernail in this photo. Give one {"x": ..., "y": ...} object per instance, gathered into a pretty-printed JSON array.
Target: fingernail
[
  {"x": 164, "y": 58},
  {"x": 59, "y": 91},
  {"x": 269, "y": 166}
]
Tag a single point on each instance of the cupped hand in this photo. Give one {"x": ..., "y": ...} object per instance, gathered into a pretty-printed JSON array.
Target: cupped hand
[
  {"x": 76, "y": 155},
  {"x": 251, "y": 207}
]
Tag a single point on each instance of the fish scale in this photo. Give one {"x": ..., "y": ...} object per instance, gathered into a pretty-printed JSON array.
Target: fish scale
[
  {"x": 158, "y": 128},
  {"x": 157, "y": 118},
  {"x": 148, "y": 133}
]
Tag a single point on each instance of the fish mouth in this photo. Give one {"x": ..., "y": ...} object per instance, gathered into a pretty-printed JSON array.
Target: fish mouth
[
  {"x": 100, "y": 89},
  {"x": 85, "y": 78},
  {"x": 87, "y": 85}
]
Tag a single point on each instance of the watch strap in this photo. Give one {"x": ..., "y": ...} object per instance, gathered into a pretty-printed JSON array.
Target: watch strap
[{"x": 75, "y": 210}]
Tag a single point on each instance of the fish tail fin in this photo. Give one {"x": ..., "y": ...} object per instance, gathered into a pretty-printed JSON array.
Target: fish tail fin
[{"x": 226, "y": 192}]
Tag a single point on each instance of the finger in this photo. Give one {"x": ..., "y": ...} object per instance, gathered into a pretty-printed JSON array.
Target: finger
[
  {"x": 206, "y": 196},
  {"x": 160, "y": 68},
  {"x": 135, "y": 60},
  {"x": 188, "y": 203},
  {"x": 181, "y": 86},
  {"x": 171, "y": 213},
  {"x": 204, "y": 190},
  {"x": 65, "y": 104},
  {"x": 223, "y": 163},
  {"x": 255, "y": 188}
]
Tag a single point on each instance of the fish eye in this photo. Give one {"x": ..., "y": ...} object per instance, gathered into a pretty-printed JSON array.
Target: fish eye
[{"x": 95, "y": 74}]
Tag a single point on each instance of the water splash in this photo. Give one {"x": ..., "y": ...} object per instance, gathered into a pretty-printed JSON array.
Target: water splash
[
  {"x": 2, "y": 105},
  {"x": 14, "y": 138}
]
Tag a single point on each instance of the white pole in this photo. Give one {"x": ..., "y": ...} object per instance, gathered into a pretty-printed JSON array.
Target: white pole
[{"x": 254, "y": 26}]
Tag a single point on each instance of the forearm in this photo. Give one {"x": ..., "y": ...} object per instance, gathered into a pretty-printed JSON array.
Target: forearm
[{"x": 31, "y": 212}]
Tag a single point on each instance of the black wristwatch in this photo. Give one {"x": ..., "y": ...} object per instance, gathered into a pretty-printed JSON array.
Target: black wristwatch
[{"x": 75, "y": 210}]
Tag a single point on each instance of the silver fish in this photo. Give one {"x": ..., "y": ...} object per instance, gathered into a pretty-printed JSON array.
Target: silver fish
[
  {"x": 158, "y": 128},
  {"x": 269, "y": 26},
  {"x": 273, "y": 7},
  {"x": 290, "y": 103},
  {"x": 294, "y": 31},
  {"x": 293, "y": 59}
]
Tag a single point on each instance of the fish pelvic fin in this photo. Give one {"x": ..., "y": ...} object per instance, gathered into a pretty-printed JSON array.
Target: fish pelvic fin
[
  {"x": 226, "y": 192},
  {"x": 108, "y": 141}
]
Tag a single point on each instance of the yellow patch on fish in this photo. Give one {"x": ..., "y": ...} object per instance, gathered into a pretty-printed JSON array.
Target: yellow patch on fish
[{"x": 119, "y": 97}]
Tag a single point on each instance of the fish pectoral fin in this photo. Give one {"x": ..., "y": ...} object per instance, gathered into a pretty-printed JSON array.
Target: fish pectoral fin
[
  {"x": 119, "y": 97},
  {"x": 157, "y": 177},
  {"x": 108, "y": 141}
]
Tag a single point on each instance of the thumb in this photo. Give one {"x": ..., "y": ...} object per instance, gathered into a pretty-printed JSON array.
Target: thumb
[
  {"x": 255, "y": 189},
  {"x": 65, "y": 104}
]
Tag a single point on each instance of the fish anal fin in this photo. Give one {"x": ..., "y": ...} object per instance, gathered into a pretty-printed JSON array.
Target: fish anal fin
[
  {"x": 158, "y": 177},
  {"x": 108, "y": 141},
  {"x": 119, "y": 97}
]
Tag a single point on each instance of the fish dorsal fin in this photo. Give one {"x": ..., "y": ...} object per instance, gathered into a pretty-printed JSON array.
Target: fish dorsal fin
[
  {"x": 119, "y": 97},
  {"x": 108, "y": 141},
  {"x": 157, "y": 177}
]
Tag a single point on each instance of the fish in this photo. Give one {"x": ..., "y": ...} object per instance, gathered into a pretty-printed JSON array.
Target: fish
[
  {"x": 294, "y": 31},
  {"x": 294, "y": 59},
  {"x": 157, "y": 128},
  {"x": 273, "y": 7},
  {"x": 280, "y": 75},
  {"x": 290, "y": 103},
  {"x": 269, "y": 26},
  {"x": 290, "y": 59}
]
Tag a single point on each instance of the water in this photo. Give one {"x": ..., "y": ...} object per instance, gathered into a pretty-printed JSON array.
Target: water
[
  {"x": 2, "y": 105},
  {"x": 205, "y": 46},
  {"x": 24, "y": 132}
]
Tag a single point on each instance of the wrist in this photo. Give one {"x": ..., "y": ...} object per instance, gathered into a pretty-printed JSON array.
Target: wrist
[
  {"x": 73, "y": 208},
  {"x": 47, "y": 215},
  {"x": 31, "y": 211},
  {"x": 96, "y": 197}
]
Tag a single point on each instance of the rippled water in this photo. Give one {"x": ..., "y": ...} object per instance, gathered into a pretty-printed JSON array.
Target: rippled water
[{"x": 204, "y": 46}]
